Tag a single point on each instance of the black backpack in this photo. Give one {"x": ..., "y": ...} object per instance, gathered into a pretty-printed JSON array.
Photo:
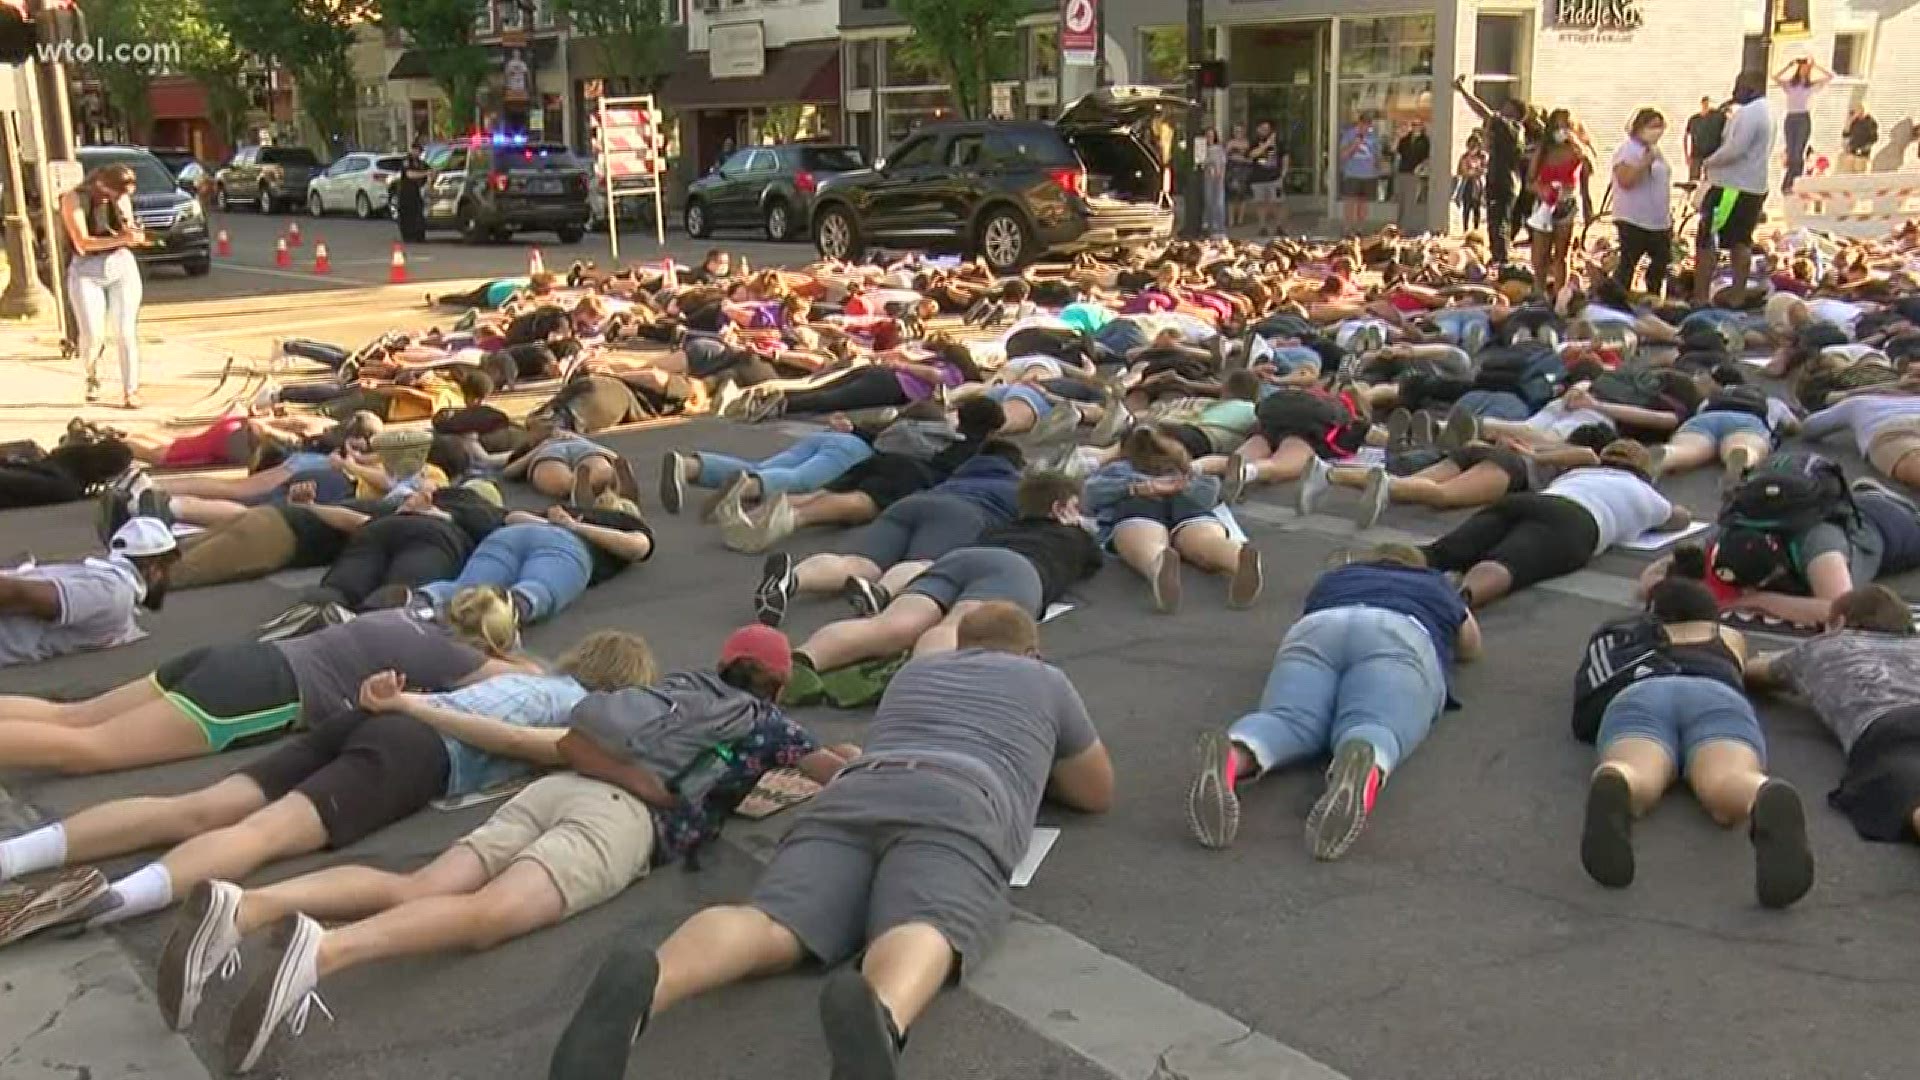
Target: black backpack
[
  {"x": 1618, "y": 655},
  {"x": 1708, "y": 135},
  {"x": 1741, "y": 399},
  {"x": 1530, "y": 371},
  {"x": 1787, "y": 494}
]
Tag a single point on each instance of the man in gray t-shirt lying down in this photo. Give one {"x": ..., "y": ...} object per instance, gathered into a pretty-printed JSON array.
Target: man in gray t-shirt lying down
[{"x": 906, "y": 855}]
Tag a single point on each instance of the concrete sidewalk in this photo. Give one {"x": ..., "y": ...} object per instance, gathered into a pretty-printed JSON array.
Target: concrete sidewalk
[{"x": 79, "y": 1008}]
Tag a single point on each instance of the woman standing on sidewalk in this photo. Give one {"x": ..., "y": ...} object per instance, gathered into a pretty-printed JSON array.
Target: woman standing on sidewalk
[{"x": 104, "y": 278}]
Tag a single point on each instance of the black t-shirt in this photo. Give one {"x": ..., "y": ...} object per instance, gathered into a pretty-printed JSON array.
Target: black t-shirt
[
  {"x": 1862, "y": 133},
  {"x": 605, "y": 563},
  {"x": 1412, "y": 152},
  {"x": 474, "y": 515},
  {"x": 1704, "y": 131},
  {"x": 1503, "y": 152},
  {"x": 1063, "y": 554},
  {"x": 315, "y": 543},
  {"x": 535, "y": 325}
]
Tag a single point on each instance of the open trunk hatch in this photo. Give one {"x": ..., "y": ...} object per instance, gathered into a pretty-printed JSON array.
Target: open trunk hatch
[{"x": 1125, "y": 136}]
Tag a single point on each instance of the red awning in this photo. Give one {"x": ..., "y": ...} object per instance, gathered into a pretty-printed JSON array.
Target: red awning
[
  {"x": 176, "y": 97},
  {"x": 797, "y": 74}
]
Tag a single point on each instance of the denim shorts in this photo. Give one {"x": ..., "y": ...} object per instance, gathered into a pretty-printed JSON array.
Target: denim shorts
[
  {"x": 1495, "y": 405},
  {"x": 1720, "y": 423},
  {"x": 1682, "y": 713},
  {"x": 1032, "y": 396}
]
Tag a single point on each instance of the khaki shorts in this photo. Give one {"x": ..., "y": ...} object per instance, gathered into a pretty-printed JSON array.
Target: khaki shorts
[
  {"x": 593, "y": 839},
  {"x": 1892, "y": 443}
]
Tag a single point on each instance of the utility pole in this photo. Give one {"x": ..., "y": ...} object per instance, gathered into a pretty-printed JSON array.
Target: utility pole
[
  {"x": 25, "y": 297},
  {"x": 1196, "y": 116},
  {"x": 47, "y": 100}
]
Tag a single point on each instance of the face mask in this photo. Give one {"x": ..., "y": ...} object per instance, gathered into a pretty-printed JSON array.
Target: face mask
[
  {"x": 1652, "y": 135},
  {"x": 1561, "y": 136}
]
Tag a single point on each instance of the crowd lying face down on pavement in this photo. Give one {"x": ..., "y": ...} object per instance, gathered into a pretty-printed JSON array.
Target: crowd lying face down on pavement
[{"x": 985, "y": 444}]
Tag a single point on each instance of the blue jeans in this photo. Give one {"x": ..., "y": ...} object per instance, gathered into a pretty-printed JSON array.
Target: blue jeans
[
  {"x": 1347, "y": 673},
  {"x": 1122, "y": 336},
  {"x": 808, "y": 465},
  {"x": 546, "y": 564},
  {"x": 1495, "y": 405},
  {"x": 1469, "y": 328}
]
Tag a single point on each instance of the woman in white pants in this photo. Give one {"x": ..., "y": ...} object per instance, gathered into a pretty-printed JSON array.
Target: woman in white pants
[{"x": 104, "y": 279}]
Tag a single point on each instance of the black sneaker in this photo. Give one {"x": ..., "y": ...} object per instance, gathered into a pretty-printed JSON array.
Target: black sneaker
[
  {"x": 777, "y": 586},
  {"x": 866, "y": 598},
  {"x": 860, "y": 1035},
  {"x": 1782, "y": 861},
  {"x": 673, "y": 481},
  {"x": 1606, "y": 840},
  {"x": 610, "y": 1018}
]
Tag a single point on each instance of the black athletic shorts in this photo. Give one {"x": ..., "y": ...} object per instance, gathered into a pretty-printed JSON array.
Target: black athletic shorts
[
  {"x": 1535, "y": 536},
  {"x": 1728, "y": 217},
  {"x": 1191, "y": 438},
  {"x": 1510, "y": 463},
  {"x": 361, "y": 771},
  {"x": 236, "y": 693},
  {"x": 1881, "y": 787},
  {"x": 885, "y": 478}
]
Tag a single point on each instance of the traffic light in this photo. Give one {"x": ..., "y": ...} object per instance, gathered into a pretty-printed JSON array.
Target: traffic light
[
  {"x": 18, "y": 35},
  {"x": 1213, "y": 74}
]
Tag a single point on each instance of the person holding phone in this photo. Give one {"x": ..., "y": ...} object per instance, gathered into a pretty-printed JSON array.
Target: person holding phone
[{"x": 104, "y": 279}]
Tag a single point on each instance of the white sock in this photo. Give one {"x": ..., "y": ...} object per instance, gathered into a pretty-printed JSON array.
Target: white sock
[
  {"x": 173, "y": 505},
  {"x": 42, "y": 849},
  {"x": 147, "y": 889},
  {"x": 1249, "y": 471}
]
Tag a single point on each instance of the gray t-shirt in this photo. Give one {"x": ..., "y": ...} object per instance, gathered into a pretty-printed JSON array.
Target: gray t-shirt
[
  {"x": 1857, "y": 540},
  {"x": 1852, "y": 678},
  {"x": 97, "y": 602},
  {"x": 994, "y": 718},
  {"x": 330, "y": 665}
]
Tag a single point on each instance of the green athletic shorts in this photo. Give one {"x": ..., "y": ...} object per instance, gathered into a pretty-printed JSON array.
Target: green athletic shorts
[{"x": 234, "y": 693}]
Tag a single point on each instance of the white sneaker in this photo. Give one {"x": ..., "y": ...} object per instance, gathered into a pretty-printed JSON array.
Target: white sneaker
[
  {"x": 205, "y": 941},
  {"x": 1313, "y": 486},
  {"x": 1374, "y": 499},
  {"x": 285, "y": 994}
]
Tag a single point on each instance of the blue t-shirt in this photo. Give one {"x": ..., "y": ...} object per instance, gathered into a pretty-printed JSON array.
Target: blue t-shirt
[
  {"x": 522, "y": 698},
  {"x": 1423, "y": 594}
]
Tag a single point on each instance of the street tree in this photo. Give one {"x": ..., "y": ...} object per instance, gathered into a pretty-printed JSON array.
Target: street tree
[
  {"x": 118, "y": 23},
  {"x": 628, "y": 37},
  {"x": 312, "y": 39},
  {"x": 442, "y": 31},
  {"x": 209, "y": 53},
  {"x": 967, "y": 41}
]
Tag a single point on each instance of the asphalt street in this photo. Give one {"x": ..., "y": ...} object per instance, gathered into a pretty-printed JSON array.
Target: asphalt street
[{"x": 1459, "y": 938}]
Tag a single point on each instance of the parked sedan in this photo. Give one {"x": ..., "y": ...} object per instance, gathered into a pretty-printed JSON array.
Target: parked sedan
[
  {"x": 769, "y": 188},
  {"x": 358, "y": 181}
]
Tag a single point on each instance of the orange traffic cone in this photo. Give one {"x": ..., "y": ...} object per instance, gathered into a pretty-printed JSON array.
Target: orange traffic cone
[
  {"x": 293, "y": 234},
  {"x": 321, "y": 264},
  {"x": 397, "y": 270},
  {"x": 221, "y": 245},
  {"x": 535, "y": 264},
  {"x": 281, "y": 258}
]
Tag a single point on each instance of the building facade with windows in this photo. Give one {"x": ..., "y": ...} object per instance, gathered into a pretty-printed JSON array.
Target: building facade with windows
[
  {"x": 891, "y": 87},
  {"x": 754, "y": 72},
  {"x": 1314, "y": 67},
  {"x": 526, "y": 87}
]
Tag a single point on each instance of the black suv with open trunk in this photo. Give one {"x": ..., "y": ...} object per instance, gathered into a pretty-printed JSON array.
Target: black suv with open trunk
[{"x": 1011, "y": 191}]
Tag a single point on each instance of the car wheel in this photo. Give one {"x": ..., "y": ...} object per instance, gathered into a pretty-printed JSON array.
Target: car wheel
[
  {"x": 220, "y": 199},
  {"x": 779, "y": 221},
  {"x": 836, "y": 234},
  {"x": 316, "y": 206},
  {"x": 363, "y": 206},
  {"x": 569, "y": 235},
  {"x": 197, "y": 267},
  {"x": 1003, "y": 241},
  {"x": 696, "y": 220},
  {"x": 470, "y": 228},
  {"x": 263, "y": 200}
]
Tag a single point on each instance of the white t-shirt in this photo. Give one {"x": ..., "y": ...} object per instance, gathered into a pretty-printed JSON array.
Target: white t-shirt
[
  {"x": 1602, "y": 315},
  {"x": 97, "y": 602},
  {"x": 1559, "y": 421},
  {"x": 1622, "y": 504},
  {"x": 1838, "y": 312},
  {"x": 1645, "y": 204}
]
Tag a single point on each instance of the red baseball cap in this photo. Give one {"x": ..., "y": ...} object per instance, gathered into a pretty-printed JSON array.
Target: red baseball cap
[{"x": 762, "y": 644}]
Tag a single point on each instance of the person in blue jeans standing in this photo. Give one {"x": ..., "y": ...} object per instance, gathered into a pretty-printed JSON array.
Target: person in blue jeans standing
[
  {"x": 811, "y": 463},
  {"x": 1364, "y": 673},
  {"x": 546, "y": 563}
]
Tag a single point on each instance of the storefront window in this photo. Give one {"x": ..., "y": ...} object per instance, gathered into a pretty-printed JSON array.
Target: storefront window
[
  {"x": 907, "y": 110},
  {"x": 1386, "y": 77},
  {"x": 1044, "y": 53},
  {"x": 866, "y": 64},
  {"x": 1275, "y": 72}
]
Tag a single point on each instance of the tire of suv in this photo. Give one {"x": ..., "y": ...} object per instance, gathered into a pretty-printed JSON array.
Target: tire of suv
[
  {"x": 695, "y": 220},
  {"x": 362, "y": 206},
  {"x": 197, "y": 267},
  {"x": 470, "y": 228},
  {"x": 263, "y": 200},
  {"x": 568, "y": 234},
  {"x": 316, "y": 206},
  {"x": 1003, "y": 240},
  {"x": 779, "y": 221},
  {"x": 836, "y": 234}
]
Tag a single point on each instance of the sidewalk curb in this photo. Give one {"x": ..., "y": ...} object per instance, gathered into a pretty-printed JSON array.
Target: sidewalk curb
[{"x": 68, "y": 1002}]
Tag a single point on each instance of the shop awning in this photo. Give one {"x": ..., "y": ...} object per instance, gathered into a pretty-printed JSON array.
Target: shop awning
[
  {"x": 540, "y": 53},
  {"x": 808, "y": 74}
]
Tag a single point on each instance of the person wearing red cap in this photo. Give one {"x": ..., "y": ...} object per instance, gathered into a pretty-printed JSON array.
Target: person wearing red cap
[{"x": 655, "y": 769}]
